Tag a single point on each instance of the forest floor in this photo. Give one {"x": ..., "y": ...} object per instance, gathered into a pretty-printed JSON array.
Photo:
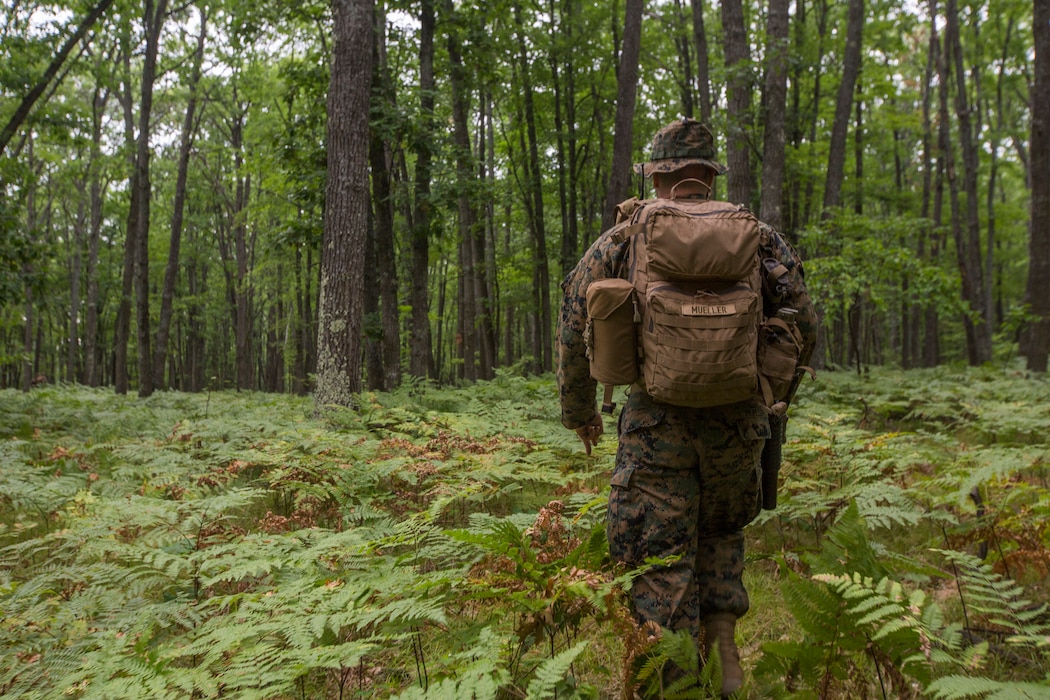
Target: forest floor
[{"x": 449, "y": 542}]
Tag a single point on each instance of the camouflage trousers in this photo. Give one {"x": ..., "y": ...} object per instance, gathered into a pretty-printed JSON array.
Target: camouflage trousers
[{"x": 686, "y": 482}]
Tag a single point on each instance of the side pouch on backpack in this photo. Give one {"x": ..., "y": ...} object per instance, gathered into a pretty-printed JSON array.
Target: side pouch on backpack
[
  {"x": 612, "y": 332},
  {"x": 779, "y": 347}
]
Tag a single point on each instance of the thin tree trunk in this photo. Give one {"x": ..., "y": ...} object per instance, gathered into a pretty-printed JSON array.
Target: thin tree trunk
[
  {"x": 421, "y": 354},
  {"x": 684, "y": 45},
  {"x": 171, "y": 271},
  {"x": 122, "y": 329},
  {"x": 75, "y": 265},
  {"x": 534, "y": 191},
  {"x": 703, "y": 71},
  {"x": 968, "y": 245},
  {"x": 385, "y": 269},
  {"x": 626, "y": 94},
  {"x": 91, "y": 370},
  {"x": 843, "y": 108},
  {"x": 738, "y": 89},
  {"x": 774, "y": 106}
]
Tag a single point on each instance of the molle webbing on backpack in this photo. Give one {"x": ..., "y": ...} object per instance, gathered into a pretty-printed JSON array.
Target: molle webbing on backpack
[{"x": 694, "y": 263}]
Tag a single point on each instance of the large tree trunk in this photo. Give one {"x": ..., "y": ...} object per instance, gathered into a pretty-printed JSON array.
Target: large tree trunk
[
  {"x": 1037, "y": 293},
  {"x": 738, "y": 116},
  {"x": 421, "y": 354},
  {"x": 626, "y": 93},
  {"x": 843, "y": 108},
  {"x": 153, "y": 21},
  {"x": 171, "y": 272},
  {"x": 346, "y": 206},
  {"x": 774, "y": 107}
]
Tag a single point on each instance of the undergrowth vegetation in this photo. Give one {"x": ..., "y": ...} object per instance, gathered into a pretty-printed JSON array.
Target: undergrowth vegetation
[{"x": 449, "y": 543}]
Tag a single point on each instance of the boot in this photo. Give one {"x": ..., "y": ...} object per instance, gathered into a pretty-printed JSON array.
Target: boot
[{"x": 719, "y": 629}]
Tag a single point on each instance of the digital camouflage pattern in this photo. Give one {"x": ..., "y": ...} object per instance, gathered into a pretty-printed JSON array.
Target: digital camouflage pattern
[
  {"x": 686, "y": 480},
  {"x": 681, "y": 143}
]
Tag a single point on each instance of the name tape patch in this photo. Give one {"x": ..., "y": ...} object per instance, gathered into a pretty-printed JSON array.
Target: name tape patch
[{"x": 694, "y": 309}]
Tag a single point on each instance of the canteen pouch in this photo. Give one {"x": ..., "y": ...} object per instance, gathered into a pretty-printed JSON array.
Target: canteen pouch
[
  {"x": 612, "y": 333},
  {"x": 779, "y": 346}
]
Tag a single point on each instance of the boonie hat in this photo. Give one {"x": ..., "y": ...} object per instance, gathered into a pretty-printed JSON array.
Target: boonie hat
[{"x": 682, "y": 142}]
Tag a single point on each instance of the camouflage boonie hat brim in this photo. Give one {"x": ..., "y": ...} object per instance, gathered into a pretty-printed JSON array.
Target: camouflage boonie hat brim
[{"x": 682, "y": 142}]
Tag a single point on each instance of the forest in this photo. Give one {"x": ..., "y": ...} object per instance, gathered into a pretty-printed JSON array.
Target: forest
[
  {"x": 278, "y": 286},
  {"x": 182, "y": 181}
]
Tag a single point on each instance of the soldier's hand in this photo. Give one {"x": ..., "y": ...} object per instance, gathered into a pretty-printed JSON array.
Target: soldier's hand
[{"x": 590, "y": 433}]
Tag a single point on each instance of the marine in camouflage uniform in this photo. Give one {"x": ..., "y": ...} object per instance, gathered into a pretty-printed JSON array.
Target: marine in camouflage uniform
[{"x": 686, "y": 480}]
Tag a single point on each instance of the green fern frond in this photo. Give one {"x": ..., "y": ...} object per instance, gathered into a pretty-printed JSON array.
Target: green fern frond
[
  {"x": 963, "y": 687},
  {"x": 551, "y": 672}
]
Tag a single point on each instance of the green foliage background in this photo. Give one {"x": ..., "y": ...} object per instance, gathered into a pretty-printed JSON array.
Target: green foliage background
[{"x": 450, "y": 543}]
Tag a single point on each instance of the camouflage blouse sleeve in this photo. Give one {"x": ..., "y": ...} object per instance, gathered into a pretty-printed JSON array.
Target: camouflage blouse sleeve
[
  {"x": 791, "y": 292},
  {"x": 576, "y": 387}
]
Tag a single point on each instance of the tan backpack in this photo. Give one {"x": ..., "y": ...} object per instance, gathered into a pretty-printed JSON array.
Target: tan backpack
[{"x": 684, "y": 322}]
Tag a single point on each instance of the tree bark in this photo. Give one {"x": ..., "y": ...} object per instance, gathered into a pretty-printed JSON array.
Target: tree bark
[
  {"x": 843, "y": 108},
  {"x": 387, "y": 375},
  {"x": 685, "y": 45},
  {"x": 626, "y": 94},
  {"x": 774, "y": 107},
  {"x": 171, "y": 272},
  {"x": 421, "y": 354},
  {"x": 1037, "y": 291},
  {"x": 122, "y": 329},
  {"x": 98, "y": 107},
  {"x": 543, "y": 347},
  {"x": 346, "y": 207},
  {"x": 738, "y": 114},
  {"x": 153, "y": 21},
  {"x": 703, "y": 70},
  {"x": 968, "y": 245}
]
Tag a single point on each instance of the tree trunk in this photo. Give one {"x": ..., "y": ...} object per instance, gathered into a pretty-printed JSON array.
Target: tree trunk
[
  {"x": 421, "y": 354},
  {"x": 384, "y": 291},
  {"x": 684, "y": 45},
  {"x": 913, "y": 308},
  {"x": 968, "y": 246},
  {"x": 171, "y": 272},
  {"x": 122, "y": 329},
  {"x": 534, "y": 206},
  {"x": 1037, "y": 292},
  {"x": 75, "y": 265},
  {"x": 153, "y": 21},
  {"x": 626, "y": 93},
  {"x": 346, "y": 206},
  {"x": 91, "y": 369},
  {"x": 843, "y": 108},
  {"x": 774, "y": 106},
  {"x": 738, "y": 114},
  {"x": 703, "y": 71}
]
